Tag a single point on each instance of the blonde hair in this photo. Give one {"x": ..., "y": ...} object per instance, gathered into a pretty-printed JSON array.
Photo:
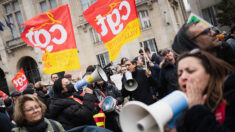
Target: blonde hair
[{"x": 19, "y": 116}]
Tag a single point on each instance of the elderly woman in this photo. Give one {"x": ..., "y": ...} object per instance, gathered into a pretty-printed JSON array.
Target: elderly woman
[
  {"x": 209, "y": 86},
  {"x": 28, "y": 115},
  {"x": 70, "y": 111}
]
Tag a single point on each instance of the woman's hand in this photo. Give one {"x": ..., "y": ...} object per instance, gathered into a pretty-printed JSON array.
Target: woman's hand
[
  {"x": 195, "y": 93},
  {"x": 101, "y": 104},
  {"x": 88, "y": 90}
]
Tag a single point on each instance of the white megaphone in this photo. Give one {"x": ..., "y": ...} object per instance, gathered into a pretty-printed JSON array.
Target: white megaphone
[
  {"x": 137, "y": 117},
  {"x": 130, "y": 84},
  {"x": 97, "y": 75}
]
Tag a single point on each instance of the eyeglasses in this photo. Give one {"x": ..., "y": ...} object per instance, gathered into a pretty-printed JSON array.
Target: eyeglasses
[
  {"x": 205, "y": 32},
  {"x": 30, "y": 109}
]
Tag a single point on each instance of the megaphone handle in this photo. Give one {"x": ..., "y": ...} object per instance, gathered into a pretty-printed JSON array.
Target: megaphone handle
[{"x": 172, "y": 122}]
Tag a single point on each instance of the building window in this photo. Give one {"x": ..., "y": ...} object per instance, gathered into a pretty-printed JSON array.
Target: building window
[
  {"x": 14, "y": 17},
  {"x": 30, "y": 68},
  {"x": 151, "y": 44},
  {"x": 87, "y": 3},
  {"x": 209, "y": 14},
  {"x": 47, "y": 5},
  {"x": 144, "y": 19},
  {"x": 103, "y": 59},
  {"x": 95, "y": 36}
]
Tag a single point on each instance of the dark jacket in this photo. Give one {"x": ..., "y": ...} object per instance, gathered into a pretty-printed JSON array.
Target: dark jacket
[
  {"x": 43, "y": 97},
  {"x": 142, "y": 93},
  {"x": 168, "y": 79},
  {"x": 200, "y": 119},
  {"x": 111, "y": 90},
  {"x": 89, "y": 129},
  {"x": 112, "y": 118},
  {"x": 226, "y": 53},
  {"x": 5, "y": 121},
  {"x": 71, "y": 113},
  {"x": 10, "y": 110}
]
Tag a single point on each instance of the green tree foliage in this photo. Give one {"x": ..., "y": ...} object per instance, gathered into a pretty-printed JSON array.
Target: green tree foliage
[{"x": 226, "y": 13}]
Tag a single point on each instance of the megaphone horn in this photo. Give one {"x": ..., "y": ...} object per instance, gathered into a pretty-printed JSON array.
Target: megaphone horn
[
  {"x": 138, "y": 117},
  {"x": 97, "y": 75},
  {"x": 130, "y": 84}
]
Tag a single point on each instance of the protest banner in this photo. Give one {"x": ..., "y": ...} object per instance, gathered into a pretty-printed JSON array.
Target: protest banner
[
  {"x": 20, "y": 81},
  {"x": 116, "y": 21},
  {"x": 3, "y": 95},
  {"x": 52, "y": 32}
]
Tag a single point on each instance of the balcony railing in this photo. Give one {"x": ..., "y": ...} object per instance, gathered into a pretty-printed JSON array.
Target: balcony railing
[{"x": 14, "y": 43}]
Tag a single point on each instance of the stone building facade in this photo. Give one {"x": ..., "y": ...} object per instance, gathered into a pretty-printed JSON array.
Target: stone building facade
[
  {"x": 207, "y": 9},
  {"x": 159, "y": 19}
]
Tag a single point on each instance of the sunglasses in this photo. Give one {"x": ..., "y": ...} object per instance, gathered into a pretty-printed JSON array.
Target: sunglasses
[{"x": 205, "y": 32}]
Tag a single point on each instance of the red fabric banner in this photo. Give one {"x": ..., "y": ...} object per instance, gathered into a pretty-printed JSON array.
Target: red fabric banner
[
  {"x": 116, "y": 21},
  {"x": 52, "y": 32},
  {"x": 3, "y": 95},
  {"x": 20, "y": 81}
]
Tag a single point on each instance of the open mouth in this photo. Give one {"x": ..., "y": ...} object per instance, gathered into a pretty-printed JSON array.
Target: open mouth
[{"x": 184, "y": 87}]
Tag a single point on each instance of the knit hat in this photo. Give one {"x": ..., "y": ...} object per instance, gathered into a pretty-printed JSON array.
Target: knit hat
[{"x": 181, "y": 42}]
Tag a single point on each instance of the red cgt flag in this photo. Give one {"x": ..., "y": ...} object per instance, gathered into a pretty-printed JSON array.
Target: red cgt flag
[
  {"x": 116, "y": 21},
  {"x": 52, "y": 32},
  {"x": 20, "y": 81},
  {"x": 4, "y": 96}
]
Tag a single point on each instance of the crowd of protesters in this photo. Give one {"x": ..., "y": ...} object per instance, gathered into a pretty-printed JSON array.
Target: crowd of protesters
[{"x": 199, "y": 64}]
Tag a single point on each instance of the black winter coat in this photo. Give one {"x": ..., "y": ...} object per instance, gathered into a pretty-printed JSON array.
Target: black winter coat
[
  {"x": 111, "y": 90},
  {"x": 71, "y": 113},
  {"x": 225, "y": 52},
  {"x": 5, "y": 121},
  {"x": 168, "y": 79},
  {"x": 112, "y": 118},
  {"x": 142, "y": 93},
  {"x": 200, "y": 119},
  {"x": 43, "y": 97}
]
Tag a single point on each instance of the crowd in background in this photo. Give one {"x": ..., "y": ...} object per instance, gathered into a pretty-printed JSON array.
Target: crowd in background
[{"x": 199, "y": 64}]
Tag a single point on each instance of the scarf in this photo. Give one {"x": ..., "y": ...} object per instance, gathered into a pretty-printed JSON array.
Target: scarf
[{"x": 39, "y": 126}]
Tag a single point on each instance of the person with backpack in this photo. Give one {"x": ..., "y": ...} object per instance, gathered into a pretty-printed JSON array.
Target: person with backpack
[{"x": 29, "y": 116}]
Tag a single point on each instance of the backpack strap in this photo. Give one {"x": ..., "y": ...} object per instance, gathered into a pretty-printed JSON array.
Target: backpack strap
[{"x": 54, "y": 126}]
